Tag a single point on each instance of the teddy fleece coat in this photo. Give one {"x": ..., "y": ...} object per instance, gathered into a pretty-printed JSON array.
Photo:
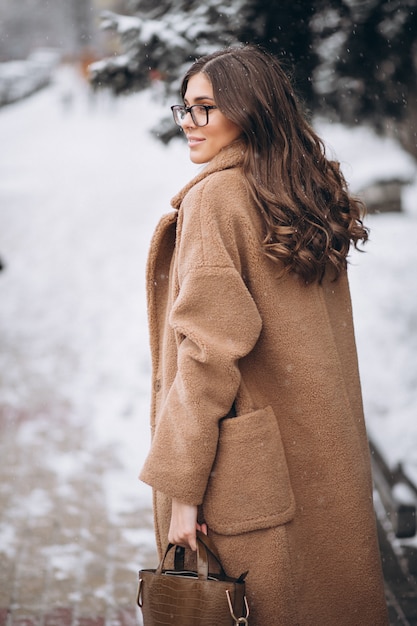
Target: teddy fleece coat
[{"x": 257, "y": 413}]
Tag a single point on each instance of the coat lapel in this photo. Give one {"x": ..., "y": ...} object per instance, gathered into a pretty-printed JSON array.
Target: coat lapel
[{"x": 157, "y": 275}]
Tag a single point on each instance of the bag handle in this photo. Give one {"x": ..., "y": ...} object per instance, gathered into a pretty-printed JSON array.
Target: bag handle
[
  {"x": 205, "y": 547},
  {"x": 211, "y": 548}
]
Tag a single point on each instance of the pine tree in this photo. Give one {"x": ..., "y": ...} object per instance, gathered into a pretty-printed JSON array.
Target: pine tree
[
  {"x": 372, "y": 74},
  {"x": 356, "y": 60},
  {"x": 161, "y": 41}
]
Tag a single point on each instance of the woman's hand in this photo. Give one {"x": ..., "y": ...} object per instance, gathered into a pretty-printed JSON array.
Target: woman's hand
[{"x": 183, "y": 527}]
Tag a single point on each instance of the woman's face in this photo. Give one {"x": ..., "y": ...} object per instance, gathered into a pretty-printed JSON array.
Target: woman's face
[{"x": 206, "y": 141}]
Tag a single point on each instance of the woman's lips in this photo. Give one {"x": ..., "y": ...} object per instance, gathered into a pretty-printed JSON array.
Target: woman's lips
[{"x": 194, "y": 141}]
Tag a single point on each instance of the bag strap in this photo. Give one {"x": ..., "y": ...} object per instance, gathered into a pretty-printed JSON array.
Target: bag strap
[
  {"x": 211, "y": 548},
  {"x": 179, "y": 558},
  {"x": 205, "y": 547},
  {"x": 203, "y": 556}
]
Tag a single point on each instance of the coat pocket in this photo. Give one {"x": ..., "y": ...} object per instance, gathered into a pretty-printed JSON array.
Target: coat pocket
[{"x": 249, "y": 486}]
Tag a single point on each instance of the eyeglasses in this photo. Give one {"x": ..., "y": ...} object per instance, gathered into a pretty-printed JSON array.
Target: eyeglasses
[{"x": 199, "y": 113}]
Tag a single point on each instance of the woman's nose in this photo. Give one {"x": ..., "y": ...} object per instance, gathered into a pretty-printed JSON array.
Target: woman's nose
[{"x": 187, "y": 120}]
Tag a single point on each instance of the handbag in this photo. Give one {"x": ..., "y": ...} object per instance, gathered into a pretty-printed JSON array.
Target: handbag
[{"x": 179, "y": 597}]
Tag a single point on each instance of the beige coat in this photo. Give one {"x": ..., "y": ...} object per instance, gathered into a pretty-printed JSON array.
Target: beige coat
[{"x": 285, "y": 487}]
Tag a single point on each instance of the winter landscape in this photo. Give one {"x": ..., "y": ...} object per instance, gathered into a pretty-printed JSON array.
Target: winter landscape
[{"x": 82, "y": 185}]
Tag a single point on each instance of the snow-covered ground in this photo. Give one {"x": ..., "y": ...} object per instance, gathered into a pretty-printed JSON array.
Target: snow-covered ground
[{"x": 82, "y": 185}]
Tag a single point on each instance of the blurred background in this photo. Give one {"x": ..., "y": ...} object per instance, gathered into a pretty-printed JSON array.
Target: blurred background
[{"x": 89, "y": 159}]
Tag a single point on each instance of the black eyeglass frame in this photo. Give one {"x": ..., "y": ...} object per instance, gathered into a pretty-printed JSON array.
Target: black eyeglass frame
[{"x": 176, "y": 108}]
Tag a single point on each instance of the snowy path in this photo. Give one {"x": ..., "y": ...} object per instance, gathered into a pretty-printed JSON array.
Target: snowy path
[{"x": 80, "y": 192}]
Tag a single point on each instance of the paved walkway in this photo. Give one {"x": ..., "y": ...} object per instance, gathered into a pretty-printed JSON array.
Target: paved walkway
[{"x": 64, "y": 562}]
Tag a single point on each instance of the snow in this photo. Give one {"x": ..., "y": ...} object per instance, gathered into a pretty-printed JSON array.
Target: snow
[
  {"x": 123, "y": 23},
  {"x": 366, "y": 158},
  {"x": 82, "y": 186}
]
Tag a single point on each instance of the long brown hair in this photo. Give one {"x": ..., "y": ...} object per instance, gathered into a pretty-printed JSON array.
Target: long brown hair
[{"x": 310, "y": 219}]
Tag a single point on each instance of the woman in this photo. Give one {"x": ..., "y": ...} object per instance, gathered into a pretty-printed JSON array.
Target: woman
[{"x": 258, "y": 436}]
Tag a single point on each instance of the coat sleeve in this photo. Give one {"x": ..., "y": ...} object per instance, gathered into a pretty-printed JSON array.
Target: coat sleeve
[{"x": 216, "y": 323}]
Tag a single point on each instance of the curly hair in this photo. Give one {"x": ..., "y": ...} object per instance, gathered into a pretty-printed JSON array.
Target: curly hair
[{"x": 310, "y": 218}]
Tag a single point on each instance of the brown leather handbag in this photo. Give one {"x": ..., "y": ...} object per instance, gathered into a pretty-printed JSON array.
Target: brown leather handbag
[{"x": 179, "y": 597}]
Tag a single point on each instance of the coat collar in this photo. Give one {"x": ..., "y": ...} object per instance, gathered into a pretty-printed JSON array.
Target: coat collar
[{"x": 229, "y": 157}]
